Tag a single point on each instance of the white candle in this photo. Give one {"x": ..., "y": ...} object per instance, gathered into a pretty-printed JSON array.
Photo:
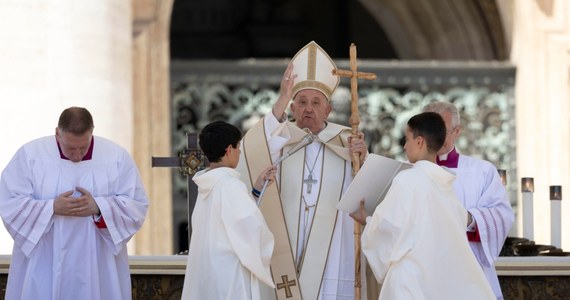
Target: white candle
[
  {"x": 527, "y": 195},
  {"x": 555, "y": 216}
]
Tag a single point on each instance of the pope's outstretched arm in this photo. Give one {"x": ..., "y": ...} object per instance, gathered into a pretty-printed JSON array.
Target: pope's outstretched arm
[{"x": 285, "y": 93}]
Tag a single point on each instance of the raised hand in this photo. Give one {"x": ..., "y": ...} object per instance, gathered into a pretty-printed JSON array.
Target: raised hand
[{"x": 285, "y": 92}]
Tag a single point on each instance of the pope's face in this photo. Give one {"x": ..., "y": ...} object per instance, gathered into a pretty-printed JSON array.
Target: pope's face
[
  {"x": 310, "y": 109},
  {"x": 73, "y": 146}
]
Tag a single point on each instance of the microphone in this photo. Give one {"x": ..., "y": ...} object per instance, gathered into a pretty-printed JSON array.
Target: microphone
[{"x": 307, "y": 139}]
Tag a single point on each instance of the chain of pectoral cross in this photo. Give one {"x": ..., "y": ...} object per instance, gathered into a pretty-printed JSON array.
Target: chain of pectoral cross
[
  {"x": 310, "y": 180},
  {"x": 306, "y": 230}
]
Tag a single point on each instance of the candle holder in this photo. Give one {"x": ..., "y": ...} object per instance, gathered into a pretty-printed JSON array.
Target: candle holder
[
  {"x": 510, "y": 242},
  {"x": 531, "y": 249},
  {"x": 527, "y": 185},
  {"x": 554, "y": 252},
  {"x": 555, "y": 192}
]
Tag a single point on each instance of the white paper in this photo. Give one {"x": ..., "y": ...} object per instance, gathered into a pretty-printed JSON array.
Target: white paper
[{"x": 372, "y": 182}]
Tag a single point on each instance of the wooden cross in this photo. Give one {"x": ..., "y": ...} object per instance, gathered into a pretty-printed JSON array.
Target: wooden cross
[
  {"x": 309, "y": 182},
  {"x": 286, "y": 284},
  {"x": 354, "y": 120},
  {"x": 188, "y": 162}
]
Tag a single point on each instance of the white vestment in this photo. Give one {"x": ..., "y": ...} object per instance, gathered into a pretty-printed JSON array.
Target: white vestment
[
  {"x": 415, "y": 241},
  {"x": 231, "y": 245},
  {"x": 334, "y": 277},
  {"x": 61, "y": 257},
  {"x": 479, "y": 187}
]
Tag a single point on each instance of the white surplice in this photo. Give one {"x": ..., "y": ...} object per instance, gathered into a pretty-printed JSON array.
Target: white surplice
[
  {"x": 61, "y": 257},
  {"x": 415, "y": 241},
  {"x": 479, "y": 187},
  {"x": 338, "y": 278},
  {"x": 231, "y": 246}
]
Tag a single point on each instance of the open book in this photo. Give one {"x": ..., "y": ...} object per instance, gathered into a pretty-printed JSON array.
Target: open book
[{"x": 372, "y": 182}]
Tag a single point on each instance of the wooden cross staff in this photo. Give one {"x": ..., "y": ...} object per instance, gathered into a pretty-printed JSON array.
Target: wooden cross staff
[{"x": 354, "y": 120}]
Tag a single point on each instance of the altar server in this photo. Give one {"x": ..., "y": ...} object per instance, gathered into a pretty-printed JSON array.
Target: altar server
[
  {"x": 480, "y": 189},
  {"x": 231, "y": 245},
  {"x": 415, "y": 242}
]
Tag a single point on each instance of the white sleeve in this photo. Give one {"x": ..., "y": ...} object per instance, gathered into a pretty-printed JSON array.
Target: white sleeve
[
  {"x": 25, "y": 218},
  {"x": 277, "y": 135},
  {"x": 493, "y": 214},
  {"x": 124, "y": 212}
]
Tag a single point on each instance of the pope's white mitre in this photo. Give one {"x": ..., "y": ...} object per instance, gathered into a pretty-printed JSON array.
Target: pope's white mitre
[{"x": 314, "y": 67}]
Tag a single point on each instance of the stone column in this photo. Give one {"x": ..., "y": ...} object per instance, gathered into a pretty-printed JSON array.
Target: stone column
[
  {"x": 151, "y": 85},
  {"x": 540, "y": 47}
]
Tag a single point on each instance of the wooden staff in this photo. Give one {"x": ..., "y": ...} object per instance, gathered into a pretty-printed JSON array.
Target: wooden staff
[{"x": 354, "y": 121}]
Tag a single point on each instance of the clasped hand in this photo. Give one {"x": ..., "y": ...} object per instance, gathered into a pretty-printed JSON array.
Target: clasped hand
[{"x": 67, "y": 205}]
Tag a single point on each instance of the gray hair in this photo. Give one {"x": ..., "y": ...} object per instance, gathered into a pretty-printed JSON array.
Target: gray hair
[{"x": 441, "y": 107}]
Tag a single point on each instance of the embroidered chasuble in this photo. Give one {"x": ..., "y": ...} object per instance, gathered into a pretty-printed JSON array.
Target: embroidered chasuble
[{"x": 314, "y": 242}]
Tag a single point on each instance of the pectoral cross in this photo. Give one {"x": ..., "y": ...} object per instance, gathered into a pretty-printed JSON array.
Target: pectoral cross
[
  {"x": 286, "y": 284},
  {"x": 354, "y": 120},
  {"x": 309, "y": 182}
]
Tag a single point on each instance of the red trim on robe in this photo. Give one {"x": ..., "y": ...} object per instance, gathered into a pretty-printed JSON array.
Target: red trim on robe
[
  {"x": 101, "y": 223},
  {"x": 473, "y": 236}
]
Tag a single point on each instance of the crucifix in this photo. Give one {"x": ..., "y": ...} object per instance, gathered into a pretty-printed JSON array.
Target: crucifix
[
  {"x": 354, "y": 120},
  {"x": 309, "y": 182},
  {"x": 188, "y": 162}
]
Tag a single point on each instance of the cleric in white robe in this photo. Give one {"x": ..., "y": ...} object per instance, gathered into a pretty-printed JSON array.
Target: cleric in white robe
[
  {"x": 71, "y": 245},
  {"x": 481, "y": 191},
  {"x": 415, "y": 241},
  {"x": 231, "y": 246}
]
